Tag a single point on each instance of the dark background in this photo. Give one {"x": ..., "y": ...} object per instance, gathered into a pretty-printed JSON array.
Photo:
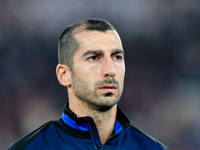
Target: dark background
[{"x": 161, "y": 40}]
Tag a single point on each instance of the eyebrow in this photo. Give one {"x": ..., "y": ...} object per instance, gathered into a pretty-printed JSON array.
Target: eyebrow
[
  {"x": 117, "y": 51},
  {"x": 92, "y": 52},
  {"x": 99, "y": 52}
]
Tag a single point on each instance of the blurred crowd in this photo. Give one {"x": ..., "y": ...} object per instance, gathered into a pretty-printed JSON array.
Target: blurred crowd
[{"x": 161, "y": 40}]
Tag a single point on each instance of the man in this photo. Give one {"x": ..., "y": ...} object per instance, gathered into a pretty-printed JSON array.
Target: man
[{"x": 91, "y": 66}]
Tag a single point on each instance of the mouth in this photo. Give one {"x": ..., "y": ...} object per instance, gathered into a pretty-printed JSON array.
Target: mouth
[{"x": 108, "y": 88}]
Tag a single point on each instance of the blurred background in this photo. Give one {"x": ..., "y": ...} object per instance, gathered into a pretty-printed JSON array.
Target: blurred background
[{"x": 161, "y": 39}]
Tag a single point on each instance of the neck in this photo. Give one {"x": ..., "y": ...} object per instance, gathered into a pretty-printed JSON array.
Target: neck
[{"x": 104, "y": 121}]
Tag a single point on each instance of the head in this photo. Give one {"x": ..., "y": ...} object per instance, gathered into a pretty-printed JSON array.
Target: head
[
  {"x": 68, "y": 45},
  {"x": 91, "y": 63}
]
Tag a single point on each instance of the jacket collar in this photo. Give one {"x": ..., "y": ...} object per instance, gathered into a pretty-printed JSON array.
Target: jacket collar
[{"x": 80, "y": 124}]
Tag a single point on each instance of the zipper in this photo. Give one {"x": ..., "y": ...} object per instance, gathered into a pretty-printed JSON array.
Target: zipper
[
  {"x": 113, "y": 136},
  {"x": 97, "y": 143}
]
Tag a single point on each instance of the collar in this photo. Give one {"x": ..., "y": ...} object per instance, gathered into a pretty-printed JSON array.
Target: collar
[{"x": 81, "y": 124}]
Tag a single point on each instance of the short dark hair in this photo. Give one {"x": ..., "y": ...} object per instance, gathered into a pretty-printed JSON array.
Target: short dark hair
[{"x": 68, "y": 45}]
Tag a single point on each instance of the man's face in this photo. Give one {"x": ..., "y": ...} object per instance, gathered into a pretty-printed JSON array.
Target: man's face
[{"x": 98, "y": 73}]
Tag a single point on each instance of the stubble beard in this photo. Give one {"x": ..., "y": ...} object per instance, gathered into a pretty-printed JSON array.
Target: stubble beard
[{"x": 84, "y": 92}]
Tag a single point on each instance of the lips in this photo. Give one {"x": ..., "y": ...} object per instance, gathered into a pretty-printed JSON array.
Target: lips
[{"x": 108, "y": 88}]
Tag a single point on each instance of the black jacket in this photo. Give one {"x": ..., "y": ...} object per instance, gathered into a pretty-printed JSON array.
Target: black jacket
[{"x": 72, "y": 133}]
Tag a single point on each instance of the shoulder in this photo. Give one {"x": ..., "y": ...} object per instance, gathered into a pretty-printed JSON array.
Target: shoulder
[
  {"x": 145, "y": 140},
  {"x": 26, "y": 140}
]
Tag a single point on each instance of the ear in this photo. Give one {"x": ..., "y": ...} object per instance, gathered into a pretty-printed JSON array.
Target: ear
[{"x": 63, "y": 74}]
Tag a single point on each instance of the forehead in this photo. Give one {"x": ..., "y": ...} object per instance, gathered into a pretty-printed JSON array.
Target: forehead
[{"x": 96, "y": 40}]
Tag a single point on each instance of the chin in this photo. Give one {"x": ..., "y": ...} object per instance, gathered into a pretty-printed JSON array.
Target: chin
[
  {"x": 105, "y": 104},
  {"x": 103, "y": 108}
]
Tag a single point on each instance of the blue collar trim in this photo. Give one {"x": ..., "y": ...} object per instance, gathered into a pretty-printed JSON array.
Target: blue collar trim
[
  {"x": 72, "y": 123},
  {"x": 118, "y": 127},
  {"x": 84, "y": 127}
]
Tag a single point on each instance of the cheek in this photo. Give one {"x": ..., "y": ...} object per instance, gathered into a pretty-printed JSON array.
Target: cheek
[
  {"x": 81, "y": 70},
  {"x": 92, "y": 71},
  {"x": 93, "y": 75},
  {"x": 121, "y": 71},
  {"x": 90, "y": 74}
]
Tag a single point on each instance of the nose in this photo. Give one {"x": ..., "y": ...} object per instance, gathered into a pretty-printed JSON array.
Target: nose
[{"x": 108, "y": 68}]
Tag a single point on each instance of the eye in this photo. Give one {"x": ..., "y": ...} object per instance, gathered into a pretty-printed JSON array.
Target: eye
[
  {"x": 92, "y": 58},
  {"x": 117, "y": 57}
]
